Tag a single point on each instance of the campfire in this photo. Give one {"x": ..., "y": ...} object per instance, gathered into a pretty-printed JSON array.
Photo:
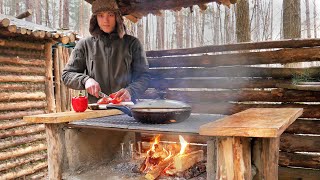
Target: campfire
[{"x": 172, "y": 160}]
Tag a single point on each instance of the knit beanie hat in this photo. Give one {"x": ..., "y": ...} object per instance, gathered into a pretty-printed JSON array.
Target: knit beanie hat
[{"x": 106, "y": 5}]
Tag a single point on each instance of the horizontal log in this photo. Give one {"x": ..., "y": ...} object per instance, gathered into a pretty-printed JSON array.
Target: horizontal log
[
  {"x": 292, "y": 43},
  {"x": 21, "y": 44},
  {"x": 5, "y": 22},
  {"x": 282, "y": 56},
  {"x": 234, "y": 72},
  {"x": 223, "y": 83},
  {"x": 304, "y": 127},
  {"x": 42, "y": 174},
  {"x": 22, "y": 61},
  {"x": 15, "y": 141},
  {"x": 21, "y": 30},
  {"x": 20, "y": 114},
  {"x": 12, "y": 124},
  {"x": 14, "y": 96},
  {"x": 299, "y": 160},
  {"x": 22, "y": 160},
  {"x": 21, "y": 53},
  {"x": 298, "y": 173},
  {"x": 239, "y": 95},
  {"x": 23, "y": 105},
  {"x": 16, "y": 174},
  {"x": 299, "y": 143},
  {"x": 24, "y": 14},
  {"x": 22, "y": 151},
  {"x": 309, "y": 111},
  {"x": 22, "y": 70},
  {"x": 21, "y": 87},
  {"x": 23, "y": 131},
  {"x": 22, "y": 78},
  {"x": 12, "y": 28}
]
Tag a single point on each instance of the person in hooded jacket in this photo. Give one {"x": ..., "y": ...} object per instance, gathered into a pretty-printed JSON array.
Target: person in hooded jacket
[{"x": 110, "y": 60}]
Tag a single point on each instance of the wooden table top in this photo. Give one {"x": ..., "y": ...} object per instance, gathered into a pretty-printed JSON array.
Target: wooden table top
[
  {"x": 68, "y": 116},
  {"x": 254, "y": 122}
]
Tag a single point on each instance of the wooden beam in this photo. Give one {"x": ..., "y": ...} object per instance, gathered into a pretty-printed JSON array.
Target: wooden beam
[
  {"x": 24, "y": 14},
  {"x": 291, "y": 43}
]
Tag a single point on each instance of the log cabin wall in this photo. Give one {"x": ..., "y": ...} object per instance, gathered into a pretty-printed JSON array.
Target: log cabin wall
[
  {"x": 231, "y": 78},
  {"x": 26, "y": 88},
  {"x": 23, "y": 91}
]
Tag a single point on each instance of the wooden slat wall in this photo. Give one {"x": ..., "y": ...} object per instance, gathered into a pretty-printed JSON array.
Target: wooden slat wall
[
  {"x": 220, "y": 80},
  {"x": 22, "y": 92}
]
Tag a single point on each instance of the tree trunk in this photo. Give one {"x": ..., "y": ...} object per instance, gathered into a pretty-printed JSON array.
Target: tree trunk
[
  {"x": 227, "y": 26},
  {"x": 160, "y": 32},
  {"x": 315, "y": 18},
  {"x": 60, "y": 13},
  {"x": 66, "y": 15},
  {"x": 179, "y": 29},
  {"x": 291, "y": 19},
  {"x": 140, "y": 31},
  {"x": 17, "y": 7},
  {"x": 38, "y": 12},
  {"x": 242, "y": 21},
  {"x": 47, "y": 14},
  {"x": 29, "y": 5},
  {"x": 308, "y": 19},
  {"x": 202, "y": 27},
  {"x": 147, "y": 38},
  {"x": 81, "y": 22}
]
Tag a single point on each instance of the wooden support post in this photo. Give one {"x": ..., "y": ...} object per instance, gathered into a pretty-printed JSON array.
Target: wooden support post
[
  {"x": 56, "y": 150},
  {"x": 211, "y": 158},
  {"x": 265, "y": 158},
  {"x": 233, "y": 158},
  {"x": 49, "y": 79}
]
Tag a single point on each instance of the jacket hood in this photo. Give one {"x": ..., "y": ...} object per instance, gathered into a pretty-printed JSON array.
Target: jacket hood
[{"x": 95, "y": 30}]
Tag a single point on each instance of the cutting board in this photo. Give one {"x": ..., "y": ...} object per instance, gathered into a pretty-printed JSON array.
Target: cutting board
[
  {"x": 69, "y": 116},
  {"x": 95, "y": 106}
]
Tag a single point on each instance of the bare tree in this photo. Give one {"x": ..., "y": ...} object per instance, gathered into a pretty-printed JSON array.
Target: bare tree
[
  {"x": 38, "y": 11},
  {"x": 17, "y": 7},
  {"x": 160, "y": 31},
  {"x": 308, "y": 19},
  {"x": 140, "y": 31},
  {"x": 47, "y": 14},
  {"x": 315, "y": 18},
  {"x": 66, "y": 15},
  {"x": 29, "y": 5},
  {"x": 242, "y": 21},
  {"x": 291, "y": 19},
  {"x": 227, "y": 26},
  {"x": 60, "y": 13},
  {"x": 179, "y": 29}
]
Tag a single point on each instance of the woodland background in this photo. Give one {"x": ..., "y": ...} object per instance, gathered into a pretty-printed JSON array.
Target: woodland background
[{"x": 261, "y": 20}]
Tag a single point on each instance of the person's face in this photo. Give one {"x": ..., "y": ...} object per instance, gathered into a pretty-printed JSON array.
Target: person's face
[{"x": 106, "y": 21}]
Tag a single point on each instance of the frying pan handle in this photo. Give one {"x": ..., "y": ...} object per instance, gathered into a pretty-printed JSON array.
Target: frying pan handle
[{"x": 124, "y": 109}]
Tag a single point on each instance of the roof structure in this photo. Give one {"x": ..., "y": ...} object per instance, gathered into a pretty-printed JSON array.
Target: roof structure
[
  {"x": 136, "y": 9},
  {"x": 12, "y": 26}
]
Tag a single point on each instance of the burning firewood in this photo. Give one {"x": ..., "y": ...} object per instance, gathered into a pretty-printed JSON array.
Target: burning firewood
[
  {"x": 185, "y": 161},
  {"x": 154, "y": 173}
]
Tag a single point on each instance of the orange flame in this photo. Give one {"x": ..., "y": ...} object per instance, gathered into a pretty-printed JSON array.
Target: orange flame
[{"x": 183, "y": 143}]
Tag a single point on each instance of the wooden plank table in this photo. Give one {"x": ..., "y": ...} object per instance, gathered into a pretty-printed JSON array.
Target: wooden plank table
[{"x": 256, "y": 129}]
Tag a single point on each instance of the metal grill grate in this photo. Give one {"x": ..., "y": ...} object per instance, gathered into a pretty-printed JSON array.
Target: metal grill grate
[{"x": 190, "y": 125}]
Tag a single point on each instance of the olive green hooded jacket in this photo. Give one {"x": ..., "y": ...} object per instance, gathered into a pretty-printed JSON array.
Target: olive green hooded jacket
[{"x": 113, "y": 62}]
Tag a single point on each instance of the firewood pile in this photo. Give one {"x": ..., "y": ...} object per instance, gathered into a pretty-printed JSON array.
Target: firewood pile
[
  {"x": 172, "y": 160},
  {"x": 15, "y": 27}
]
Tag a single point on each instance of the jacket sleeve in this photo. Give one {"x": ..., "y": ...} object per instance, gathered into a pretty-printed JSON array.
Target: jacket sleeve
[
  {"x": 140, "y": 71},
  {"x": 73, "y": 75}
]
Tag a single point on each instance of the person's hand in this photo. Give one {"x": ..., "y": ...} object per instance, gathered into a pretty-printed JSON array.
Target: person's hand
[
  {"x": 123, "y": 94},
  {"x": 92, "y": 87}
]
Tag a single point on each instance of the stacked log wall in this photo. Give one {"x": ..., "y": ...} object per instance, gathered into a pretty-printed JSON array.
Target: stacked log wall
[
  {"x": 24, "y": 86},
  {"x": 231, "y": 78}
]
